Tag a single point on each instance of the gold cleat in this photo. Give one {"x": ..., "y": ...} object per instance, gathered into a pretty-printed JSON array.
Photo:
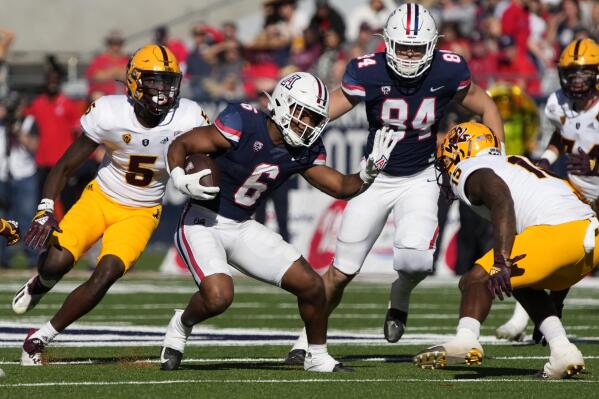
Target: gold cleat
[{"x": 438, "y": 357}]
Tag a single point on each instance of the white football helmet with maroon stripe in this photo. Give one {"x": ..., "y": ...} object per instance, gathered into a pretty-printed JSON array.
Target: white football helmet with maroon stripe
[
  {"x": 296, "y": 96},
  {"x": 410, "y": 25}
]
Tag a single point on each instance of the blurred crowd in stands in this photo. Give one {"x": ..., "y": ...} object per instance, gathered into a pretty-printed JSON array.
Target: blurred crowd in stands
[{"x": 516, "y": 42}]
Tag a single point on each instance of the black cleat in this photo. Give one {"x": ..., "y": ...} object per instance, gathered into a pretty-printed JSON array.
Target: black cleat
[
  {"x": 395, "y": 324},
  {"x": 295, "y": 357},
  {"x": 170, "y": 359},
  {"x": 340, "y": 368}
]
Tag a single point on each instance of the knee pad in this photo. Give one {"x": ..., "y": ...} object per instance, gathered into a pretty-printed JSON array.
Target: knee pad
[{"x": 413, "y": 262}]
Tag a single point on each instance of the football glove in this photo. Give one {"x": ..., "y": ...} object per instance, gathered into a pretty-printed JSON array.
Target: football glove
[
  {"x": 9, "y": 229},
  {"x": 582, "y": 164},
  {"x": 190, "y": 184},
  {"x": 385, "y": 140},
  {"x": 499, "y": 276},
  {"x": 42, "y": 226},
  {"x": 544, "y": 164}
]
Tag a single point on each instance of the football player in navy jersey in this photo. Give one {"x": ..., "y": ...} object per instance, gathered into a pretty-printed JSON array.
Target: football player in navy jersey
[
  {"x": 408, "y": 87},
  {"x": 255, "y": 153}
]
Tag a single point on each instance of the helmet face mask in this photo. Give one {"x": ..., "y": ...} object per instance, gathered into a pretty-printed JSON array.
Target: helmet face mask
[
  {"x": 410, "y": 36},
  {"x": 578, "y": 70},
  {"x": 154, "y": 79},
  {"x": 299, "y": 106}
]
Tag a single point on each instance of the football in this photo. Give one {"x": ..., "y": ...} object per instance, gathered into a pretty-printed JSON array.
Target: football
[{"x": 197, "y": 162}]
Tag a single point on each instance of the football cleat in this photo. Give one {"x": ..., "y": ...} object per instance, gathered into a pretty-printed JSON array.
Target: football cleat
[
  {"x": 566, "y": 363},
  {"x": 170, "y": 359},
  {"x": 24, "y": 300},
  {"x": 452, "y": 352},
  {"x": 295, "y": 357},
  {"x": 33, "y": 350},
  {"x": 510, "y": 332},
  {"x": 395, "y": 324},
  {"x": 324, "y": 363}
]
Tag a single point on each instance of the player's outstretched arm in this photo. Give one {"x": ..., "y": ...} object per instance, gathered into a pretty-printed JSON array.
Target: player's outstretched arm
[
  {"x": 484, "y": 187},
  {"x": 475, "y": 99},
  {"x": 205, "y": 140},
  {"x": 552, "y": 152},
  {"x": 44, "y": 222},
  {"x": 342, "y": 186}
]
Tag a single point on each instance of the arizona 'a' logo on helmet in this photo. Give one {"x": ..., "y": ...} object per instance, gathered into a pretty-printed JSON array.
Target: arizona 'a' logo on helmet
[
  {"x": 578, "y": 67},
  {"x": 466, "y": 140},
  {"x": 154, "y": 78}
]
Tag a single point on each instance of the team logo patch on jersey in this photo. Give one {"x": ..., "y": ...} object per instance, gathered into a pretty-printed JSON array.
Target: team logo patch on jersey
[
  {"x": 257, "y": 145},
  {"x": 164, "y": 140},
  {"x": 385, "y": 90},
  {"x": 288, "y": 83},
  {"x": 145, "y": 142},
  {"x": 127, "y": 138}
]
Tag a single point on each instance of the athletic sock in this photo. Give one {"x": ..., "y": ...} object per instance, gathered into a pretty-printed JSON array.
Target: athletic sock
[
  {"x": 401, "y": 289},
  {"x": 40, "y": 285},
  {"x": 302, "y": 341},
  {"x": 46, "y": 333},
  {"x": 519, "y": 318},
  {"x": 179, "y": 326},
  {"x": 554, "y": 333},
  {"x": 468, "y": 329}
]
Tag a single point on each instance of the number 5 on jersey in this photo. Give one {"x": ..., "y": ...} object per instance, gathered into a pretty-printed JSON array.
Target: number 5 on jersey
[{"x": 138, "y": 173}]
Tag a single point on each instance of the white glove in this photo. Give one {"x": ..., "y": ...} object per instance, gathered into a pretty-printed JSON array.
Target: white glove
[
  {"x": 190, "y": 184},
  {"x": 384, "y": 142}
]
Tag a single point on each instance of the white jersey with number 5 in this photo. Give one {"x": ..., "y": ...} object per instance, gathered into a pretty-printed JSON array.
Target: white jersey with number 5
[
  {"x": 539, "y": 198},
  {"x": 579, "y": 130},
  {"x": 133, "y": 171}
]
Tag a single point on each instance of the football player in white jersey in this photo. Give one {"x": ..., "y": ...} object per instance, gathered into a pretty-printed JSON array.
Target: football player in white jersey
[
  {"x": 122, "y": 205},
  {"x": 574, "y": 113},
  {"x": 544, "y": 238}
]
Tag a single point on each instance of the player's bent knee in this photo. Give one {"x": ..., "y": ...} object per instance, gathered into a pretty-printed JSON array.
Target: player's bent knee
[
  {"x": 477, "y": 275},
  {"x": 416, "y": 263}
]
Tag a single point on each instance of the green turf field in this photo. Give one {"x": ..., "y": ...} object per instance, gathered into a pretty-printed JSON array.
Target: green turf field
[{"x": 113, "y": 352}]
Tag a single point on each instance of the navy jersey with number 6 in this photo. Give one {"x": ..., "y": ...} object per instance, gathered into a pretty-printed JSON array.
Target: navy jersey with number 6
[
  {"x": 415, "y": 110},
  {"x": 254, "y": 166}
]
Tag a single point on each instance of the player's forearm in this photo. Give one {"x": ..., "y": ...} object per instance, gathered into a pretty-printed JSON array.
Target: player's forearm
[
  {"x": 503, "y": 219},
  {"x": 176, "y": 154},
  {"x": 492, "y": 119},
  {"x": 351, "y": 185}
]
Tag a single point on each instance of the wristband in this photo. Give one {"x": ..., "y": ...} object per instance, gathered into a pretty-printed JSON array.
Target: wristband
[
  {"x": 550, "y": 156},
  {"x": 46, "y": 205}
]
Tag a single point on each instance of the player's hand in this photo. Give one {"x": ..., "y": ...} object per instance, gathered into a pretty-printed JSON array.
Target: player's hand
[
  {"x": 190, "y": 184},
  {"x": 581, "y": 164},
  {"x": 385, "y": 140},
  {"x": 10, "y": 231},
  {"x": 43, "y": 225},
  {"x": 499, "y": 276},
  {"x": 543, "y": 164}
]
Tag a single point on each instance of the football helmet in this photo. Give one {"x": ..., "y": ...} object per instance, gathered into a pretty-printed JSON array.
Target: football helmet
[
  {"x": 466, "y": 140},
  {"x": 297, "y": 97},
  {"x": 577, "y": 68},
  {"x": 154, "y": 78},
  {"x": 410, "y": 28}
]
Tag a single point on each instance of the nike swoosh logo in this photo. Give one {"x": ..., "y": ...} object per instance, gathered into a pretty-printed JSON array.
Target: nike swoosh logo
[
  {"x": 162, "y": 359},
  {"x": 434, "y": 89}
]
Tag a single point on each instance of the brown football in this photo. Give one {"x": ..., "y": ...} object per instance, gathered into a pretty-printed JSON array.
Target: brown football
[{"x": 196, "y": 162}]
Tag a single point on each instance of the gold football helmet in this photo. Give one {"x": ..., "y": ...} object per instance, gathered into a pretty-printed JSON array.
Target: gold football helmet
[
  {"x": 154, "y": 78},
  {"x": 578, "y": 66},
  {"x": 466, "y": 140}
]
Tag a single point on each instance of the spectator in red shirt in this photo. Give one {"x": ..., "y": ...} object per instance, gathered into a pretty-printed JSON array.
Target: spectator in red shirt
[
  {"x": 514, "y": 66},
  {"x": 57, "y": 118},
  {"x": 515, "y": 23},
  {"x": 483, "y": 62},
  {"x": 107, "y": 70}
]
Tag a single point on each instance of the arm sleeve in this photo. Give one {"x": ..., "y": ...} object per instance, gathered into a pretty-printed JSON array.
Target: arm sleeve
[
  {"x": 351, "y": 83},
  {"x": 230, "y": 123}
]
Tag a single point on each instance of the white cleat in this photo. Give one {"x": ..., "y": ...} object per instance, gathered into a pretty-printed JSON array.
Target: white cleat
[
  {"x": 452, "y": 352},
  {"x": 565, "y": 363},
  {"x": 33, "y": 350},
  {"x": 511, "y": 332},
  {"x": 174, "y": 344},
  {"x": 324, "y": 363},
  {"x": 23, "y": 300}
]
